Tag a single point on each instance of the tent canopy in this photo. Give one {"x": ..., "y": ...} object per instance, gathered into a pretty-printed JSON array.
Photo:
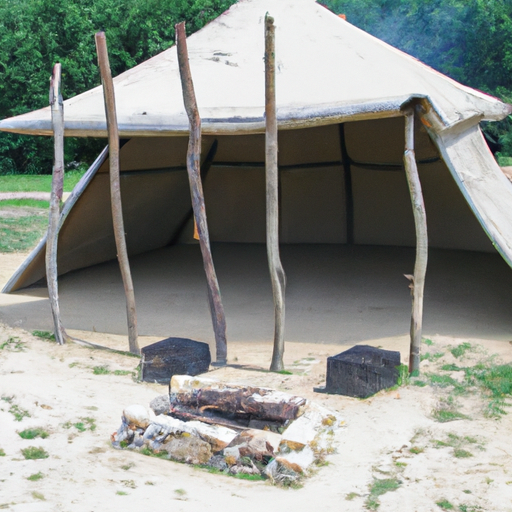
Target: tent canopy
[{"x": 340, "y": 99}]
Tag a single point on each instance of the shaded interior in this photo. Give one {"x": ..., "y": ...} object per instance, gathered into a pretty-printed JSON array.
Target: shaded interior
[
  {"x": 346, "y": 230},
  {"x": 339, "y": 184}
]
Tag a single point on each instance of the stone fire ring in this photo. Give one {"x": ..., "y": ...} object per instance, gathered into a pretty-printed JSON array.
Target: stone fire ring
[{"x": 232, "y": 428}]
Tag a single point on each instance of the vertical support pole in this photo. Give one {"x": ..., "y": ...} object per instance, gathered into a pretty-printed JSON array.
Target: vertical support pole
[
  {"x": 196, "y": 190},
  {"x": 52, "y": 239},
  {"x": 277, "y": 274},
  {"x": 420, "y": 222},
  {"x": 115, "y": 189}
]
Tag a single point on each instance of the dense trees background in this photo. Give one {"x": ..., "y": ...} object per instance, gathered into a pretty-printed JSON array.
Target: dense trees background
[{"x": 469, "y": 40}]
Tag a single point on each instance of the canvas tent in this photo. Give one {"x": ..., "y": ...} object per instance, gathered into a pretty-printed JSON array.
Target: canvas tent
[{"x": 341, "y": 95}]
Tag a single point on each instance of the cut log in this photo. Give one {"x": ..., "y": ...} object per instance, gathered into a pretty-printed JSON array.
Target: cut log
[
  {"x": 174, "y": 356},
  {"x": 362, "y": 371},
  {"x": 252, "y": 402}
]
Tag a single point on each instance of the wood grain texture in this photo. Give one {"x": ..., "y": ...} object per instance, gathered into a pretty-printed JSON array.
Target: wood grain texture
[
  {"x": 196, "y": 190},
  {"x": 115, "y": 190}
]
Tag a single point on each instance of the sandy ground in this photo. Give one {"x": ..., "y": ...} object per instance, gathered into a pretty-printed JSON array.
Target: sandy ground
[{"x": 393, "y": 435}]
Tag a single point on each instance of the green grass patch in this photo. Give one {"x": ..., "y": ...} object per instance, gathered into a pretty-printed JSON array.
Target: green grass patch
[
  {"x": 444, "y": 504},
  {"x": 121, "y": 372},
  {"x": 18, "y": 412},
  {"x": 446, "y": 415},
  {"x": 33, "y": 452},
  {"x": 21, "y": 233},
  {"x": 460, "y": 453},
  {"x": 427, "y": 342},
  {"x": 2, "y": 453},
  {"x": 44, "y": 335},
  {"x": 253, "y": 478},
  {"x": 82, "y": 425},
  {"x": 31, "y": 203},
  {"x": 121, "y": 493},
  {"x": 461, "y": 349},
  {"x": 37, "y": 182},
  {"x": 416, "y": 449},
  {"x": 101, "y": 370},
  {"x": 496, "y": 382},
  {"x": 351, "y": 495},
  {"x": 431, "y": 357},
  {"x": 35, "y": 477},
  {"x": 13, "y": 344},
  {"x": 38, "y": 495},
  {"x": 285, "y": 372},
  {"x": 378, "y": 488},
  {"x": 32, "y": 433}
]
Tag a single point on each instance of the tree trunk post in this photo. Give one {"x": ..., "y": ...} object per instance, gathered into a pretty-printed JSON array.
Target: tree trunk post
[
  {"x": 115, "y": 189},
  {"x": 277, "y": 274},
  {"x": 52, "y": 239},
  {"x": 196, "y": 190},
  {"x": 420, "y": 222}
]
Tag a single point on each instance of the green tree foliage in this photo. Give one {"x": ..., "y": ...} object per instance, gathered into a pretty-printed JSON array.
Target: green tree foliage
[
  {"x": 35, "y": 34},
  {"x": 468, "y": 40}
]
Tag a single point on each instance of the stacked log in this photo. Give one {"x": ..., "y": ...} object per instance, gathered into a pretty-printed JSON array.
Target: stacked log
[{"x": 210, "y": 423}]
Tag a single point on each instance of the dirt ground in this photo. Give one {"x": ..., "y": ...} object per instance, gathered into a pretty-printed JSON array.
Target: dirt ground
[{"x": 393, "y": 436}]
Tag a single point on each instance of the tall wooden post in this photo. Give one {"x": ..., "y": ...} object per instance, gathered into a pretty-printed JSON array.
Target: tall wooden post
[
  {"x": 420, "y": 222},
  {"x": 196, "y": 190},
  {"x": 57, "y": 110},
  {"x": 115, "y": 189},
  {"x": 277, "y": 274}
]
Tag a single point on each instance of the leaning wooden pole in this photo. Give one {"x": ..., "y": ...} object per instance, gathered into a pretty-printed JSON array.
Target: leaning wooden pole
[
  {"x": 115, "y": 189},
  {"x": 420, "y": 222},
  {"x": 52, "y": 239},
  {"x": 196, "y": 190},
  {"x": 277, "y": 274}
]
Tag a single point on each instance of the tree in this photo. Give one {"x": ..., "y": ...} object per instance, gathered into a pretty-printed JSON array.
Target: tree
[{"x": 34, "y": 34}]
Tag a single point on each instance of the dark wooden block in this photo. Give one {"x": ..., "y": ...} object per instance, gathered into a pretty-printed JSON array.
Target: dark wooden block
[
  {"x": 362, "y": 371},
  {"x": 174, "y": 356}
]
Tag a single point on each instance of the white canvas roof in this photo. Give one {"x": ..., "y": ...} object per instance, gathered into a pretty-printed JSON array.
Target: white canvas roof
[{"x": 327, "y": 70}]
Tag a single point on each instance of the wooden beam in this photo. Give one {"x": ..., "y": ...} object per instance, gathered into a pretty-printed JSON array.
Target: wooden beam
[
  {"x": 196, "y": 190},
  {"x": 115, "y": 189},
  {"x": 52, "y": 239},
  {"x": 420, "y": 221},
  {"x": 277, "y": 274}
]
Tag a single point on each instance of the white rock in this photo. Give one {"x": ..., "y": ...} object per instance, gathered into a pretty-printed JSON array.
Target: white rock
[{"x": 136, "y": 415}]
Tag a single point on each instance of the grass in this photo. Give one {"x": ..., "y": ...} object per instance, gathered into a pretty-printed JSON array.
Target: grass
[
  {"x": 44, "y": 335},
  {"x": 32, "y": 433},
  {"x": 461, "y": 349},
  {"x": 21, "y": 233},
  {"x": 33, "y": 452},
  {"x": 378, "y": 488},
  {"x": 37, "y": 183},
  {"x": 444, "y": 504},
  {"x": 31, "y": 203},
  {"x": 35, "y": 477},
  {"x": 82, "y": 425},
  {"x": 18, "y": 412},
  {"x": 13, "y": 344},
  {"x": 101, "y": 370},
  {"x": 2, "y": 453}
]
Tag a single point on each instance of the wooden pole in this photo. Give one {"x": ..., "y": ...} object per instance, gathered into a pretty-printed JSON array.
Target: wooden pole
[
  {"x": 420, "y": 222},
  {"x": 196, "y": 190},
  {"x": 115, "y": 189},
  {"x": 52, "y": 239},
  {"x": 277, "y": 274}
]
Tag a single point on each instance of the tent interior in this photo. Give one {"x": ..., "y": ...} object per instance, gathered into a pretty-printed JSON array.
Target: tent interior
[{"x": 347, "y": 237}]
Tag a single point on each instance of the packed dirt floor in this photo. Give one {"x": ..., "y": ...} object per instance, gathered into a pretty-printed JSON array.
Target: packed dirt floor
[{"x": 394, "y": 436}]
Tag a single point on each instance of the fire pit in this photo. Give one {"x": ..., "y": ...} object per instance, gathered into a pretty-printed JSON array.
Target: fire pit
[{"x": 233, "y": 428}]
